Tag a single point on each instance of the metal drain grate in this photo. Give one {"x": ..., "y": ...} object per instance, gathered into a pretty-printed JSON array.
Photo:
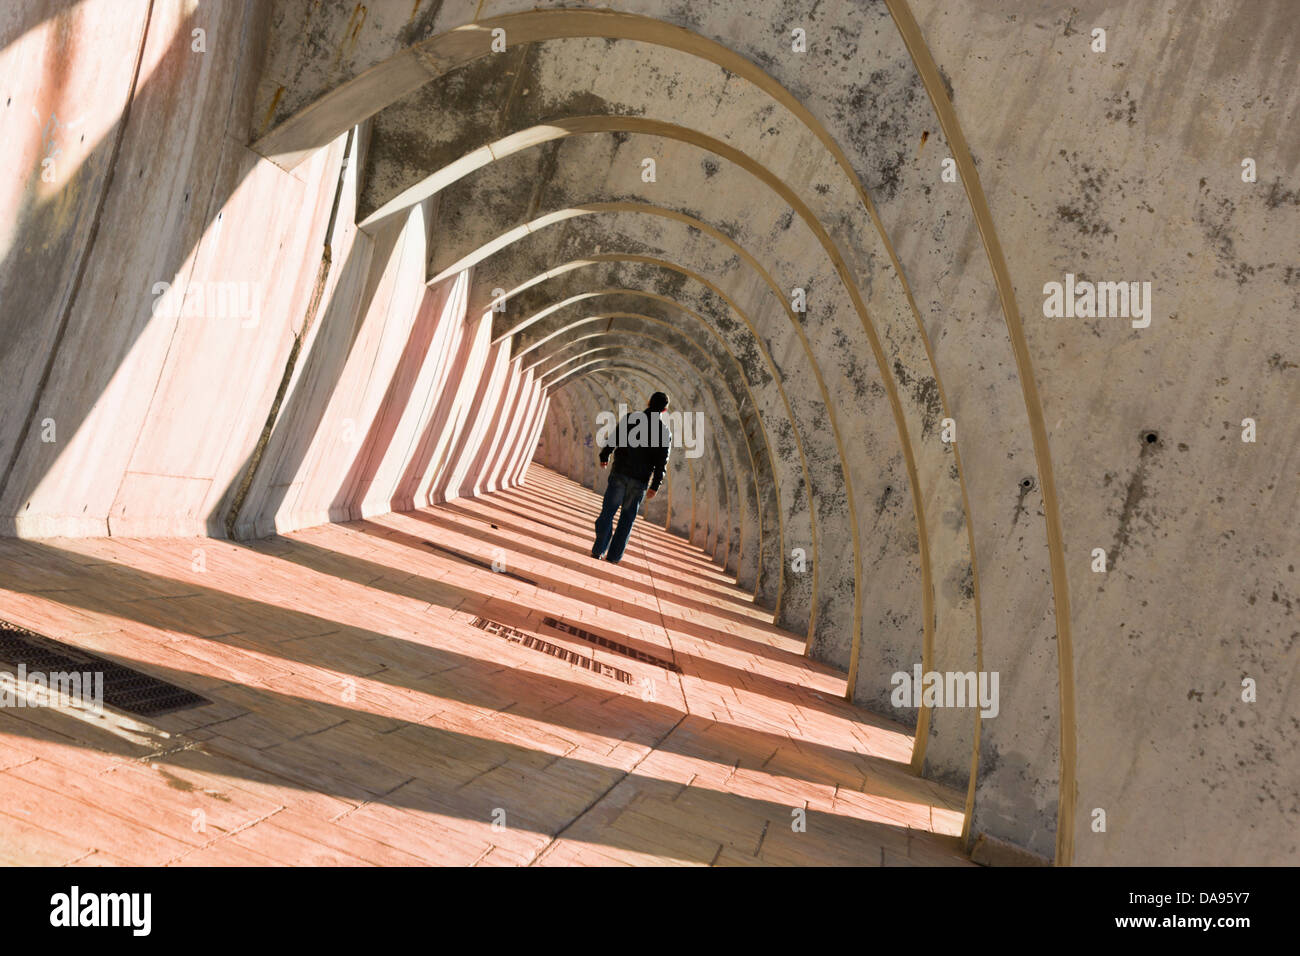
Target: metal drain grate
[
  {"x": 614, "y": 646},
  {"x": 516, "y": 636},
  {"x": 470, "y": 559},
  {"x": 124, "y": 688}
]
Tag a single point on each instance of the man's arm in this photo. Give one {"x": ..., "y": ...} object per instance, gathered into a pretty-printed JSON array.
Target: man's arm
[
  {"x": 661, "y": 458},
  {"x": 611, "y": 444}
]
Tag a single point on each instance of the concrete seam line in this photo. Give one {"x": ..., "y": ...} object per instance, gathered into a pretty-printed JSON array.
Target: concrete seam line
[
  {"x": 591, "y": 806},
  {"x": 929, "y": 71}
]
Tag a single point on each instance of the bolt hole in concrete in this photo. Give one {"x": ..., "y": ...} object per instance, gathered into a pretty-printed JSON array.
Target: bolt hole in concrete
[
  {"x": 1150, "y": 437},
  {"x": 1026, "y": 484}
]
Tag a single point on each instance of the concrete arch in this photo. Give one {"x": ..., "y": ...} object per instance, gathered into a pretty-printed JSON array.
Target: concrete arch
[
  {"x": 431, "y": 158},
  {"x": 1029, "y": 737},
  {"x": 645, "y": 30},
  {"x": 922, "y": 386},
  {"x": 648, "y": 94},
  {"x": 809, "y": 419},
  {"x": 624, "y": 217},
  {"x": 671, "y": 314},
  {"x": 346, "y": 387}
]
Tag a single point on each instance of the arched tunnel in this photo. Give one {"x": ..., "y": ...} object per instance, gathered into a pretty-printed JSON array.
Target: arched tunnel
[{"x": 975, "y": 541}]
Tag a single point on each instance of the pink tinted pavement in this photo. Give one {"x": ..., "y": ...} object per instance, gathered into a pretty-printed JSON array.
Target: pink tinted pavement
[{"x": 380, "y": 695}]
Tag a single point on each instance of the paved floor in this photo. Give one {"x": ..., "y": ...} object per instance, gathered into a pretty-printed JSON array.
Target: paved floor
[{"x": 360, "y": 716}]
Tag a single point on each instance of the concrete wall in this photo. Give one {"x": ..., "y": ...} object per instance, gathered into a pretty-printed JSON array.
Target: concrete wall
[
  {"x": 212, "y": 337},
  {"x": 1127, "y": 165}
]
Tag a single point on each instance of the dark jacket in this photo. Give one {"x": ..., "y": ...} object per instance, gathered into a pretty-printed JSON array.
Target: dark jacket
[{"x": 640, "y": 446}]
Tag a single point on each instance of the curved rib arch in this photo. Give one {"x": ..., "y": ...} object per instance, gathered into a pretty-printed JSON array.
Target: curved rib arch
[{"x": 915, "y": 419}]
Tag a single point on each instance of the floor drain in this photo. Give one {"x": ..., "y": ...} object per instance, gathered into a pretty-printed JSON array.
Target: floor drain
[
  {"x": 516, "y": 636},
  {"x": 477, "y": 562},
  {"x": 124, "y": 688},
  {"x": 614, "y": 646}
]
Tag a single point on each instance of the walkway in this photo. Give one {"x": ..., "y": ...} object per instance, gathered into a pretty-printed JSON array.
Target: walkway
[{"x": 379, "y": 699}]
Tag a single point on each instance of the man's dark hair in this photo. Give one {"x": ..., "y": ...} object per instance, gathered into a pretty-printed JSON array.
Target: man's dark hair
[{"x": 658, "y": 402}]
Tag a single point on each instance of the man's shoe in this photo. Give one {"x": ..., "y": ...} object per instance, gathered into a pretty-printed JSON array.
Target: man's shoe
[{"x": 612, "y": 562}]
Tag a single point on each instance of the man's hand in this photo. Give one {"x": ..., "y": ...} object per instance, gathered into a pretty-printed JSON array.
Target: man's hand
[
  {"x": 604, "y": 464},
  {"x": 650, "y": 494}
]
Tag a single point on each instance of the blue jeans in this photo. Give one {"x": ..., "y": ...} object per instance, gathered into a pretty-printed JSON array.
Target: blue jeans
[{"x": 621, "y": 492}]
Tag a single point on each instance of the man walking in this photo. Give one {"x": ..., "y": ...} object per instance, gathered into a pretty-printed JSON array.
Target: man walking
[{"x": 640, "y": 446}]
